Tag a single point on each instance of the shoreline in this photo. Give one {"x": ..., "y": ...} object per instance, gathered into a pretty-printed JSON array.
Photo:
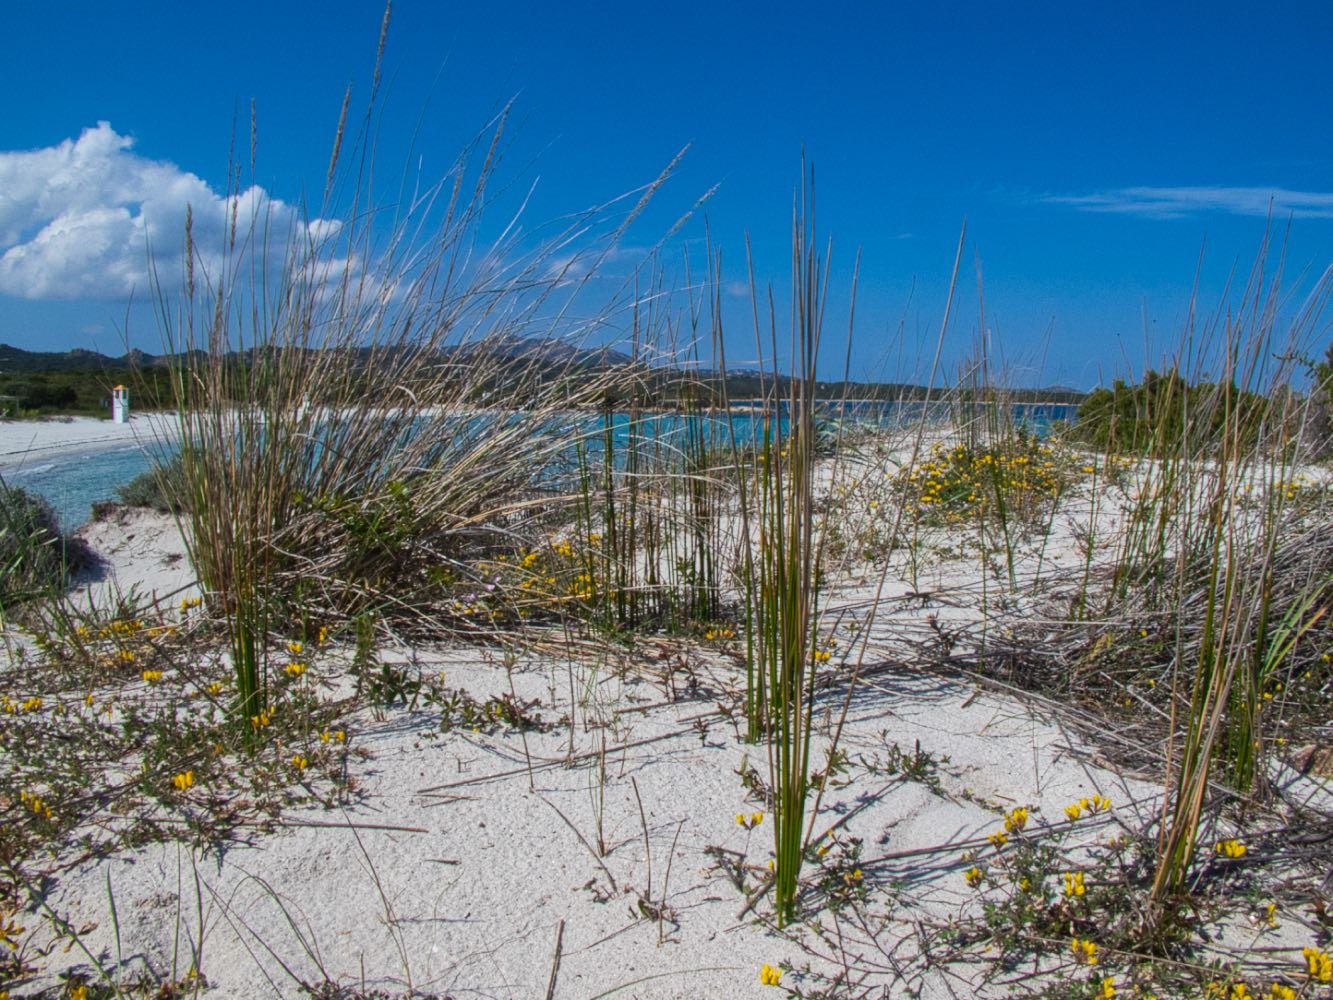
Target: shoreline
[{"x": 22, "y": 441}]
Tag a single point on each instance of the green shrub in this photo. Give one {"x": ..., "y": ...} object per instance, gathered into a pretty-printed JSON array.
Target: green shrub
[
  {"x": 160, "y": 488},
  {"x": 1154, "y": 416},
  {"x": 34, "y": 557}
]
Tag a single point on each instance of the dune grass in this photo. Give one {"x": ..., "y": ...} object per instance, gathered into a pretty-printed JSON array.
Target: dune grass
[{"x": 390, "y": 436}]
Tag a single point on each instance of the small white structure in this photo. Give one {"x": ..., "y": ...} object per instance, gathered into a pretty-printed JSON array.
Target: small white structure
[{"x": 120, "y": 405}]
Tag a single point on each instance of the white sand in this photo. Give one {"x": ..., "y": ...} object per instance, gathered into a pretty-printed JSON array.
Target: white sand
[
  {"x": 453, "y": 871},
  {"x": 23, "y": 441},
  {"x": 466, "y": 898}
]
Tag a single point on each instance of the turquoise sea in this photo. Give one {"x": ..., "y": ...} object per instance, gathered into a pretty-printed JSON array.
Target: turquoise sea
[{"x": 73, "y": 483}]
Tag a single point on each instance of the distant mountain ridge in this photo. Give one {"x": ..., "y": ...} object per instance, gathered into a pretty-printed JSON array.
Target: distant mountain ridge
[
  {"x": 743, "y": 383},
  {"x": 15, "y": 360}
]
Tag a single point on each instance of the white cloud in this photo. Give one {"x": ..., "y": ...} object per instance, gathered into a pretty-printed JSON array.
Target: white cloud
[
  {"x": 1177, "y": 202},
  {"x": 79, "y": 219}
]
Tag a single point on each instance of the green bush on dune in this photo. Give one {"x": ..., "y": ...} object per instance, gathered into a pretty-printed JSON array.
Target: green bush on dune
[
  {"x": 160, "y": 488},
  {"x": 34, "y": 557}
]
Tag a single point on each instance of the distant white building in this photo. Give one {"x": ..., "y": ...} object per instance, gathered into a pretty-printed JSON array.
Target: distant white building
[{"x": 120, "y": 405}]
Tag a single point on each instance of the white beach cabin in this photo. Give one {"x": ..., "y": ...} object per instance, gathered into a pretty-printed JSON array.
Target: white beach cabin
[{"x": 120, "y": 405}]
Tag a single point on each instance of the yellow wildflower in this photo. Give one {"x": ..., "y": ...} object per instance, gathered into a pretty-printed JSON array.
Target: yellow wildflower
[
  {"x": 769, "y": 976},
  {"x": 183, "y": 781},
  {"x": 1016, "y": 820},
  {"x": 1280, "y": 991},
  {"x": 36, "y": 805},
  {"x": 300, "y": 762},
  {"x": 1230, "y": 849},
  {"x": 9, "y": 932},
  {"x": 1085, "y": 951},
  {"x": 974, "y": 876},
  {"x": 1074, "y": 884},
  {"x": 294, "y": 647},
  {"x": 295, "y": 668},
  {"x": 152, "y": 676},
  {"x": 1108, "y": 988},
  {"x": 998, "y": 839},
  {"x": 1073, "y": 811},
  {"x": 1318, "y": 964}
]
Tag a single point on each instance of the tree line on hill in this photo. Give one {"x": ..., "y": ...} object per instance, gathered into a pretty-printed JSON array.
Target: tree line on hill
[{"x": 80, "y": 382}]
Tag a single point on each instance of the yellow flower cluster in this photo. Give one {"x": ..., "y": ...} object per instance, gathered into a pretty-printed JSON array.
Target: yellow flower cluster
[
  {"x": 1074, "y": 886},
  {"x": 1090, "y": 804},
  {"x": 1085, "y": 951},
  {"x": 974, "y": 876},
  {"x": 36, "y": 805},
  {"x": 183, "y": 781},
  {"x": 1318, "y": 964},
  {"x": 958, "y": 482},
  {"x": 12, "y": 706},
  {"x": 152, "y": 676},
  {"x": 750, "y": 821},
  {"x": 769, "y": 976},
  {"x": 1016, "y": 820},
  {"x": 336, "y": 736},
  {"x": 1230, "y": 849},
  {"x": 9, "y": 933}
]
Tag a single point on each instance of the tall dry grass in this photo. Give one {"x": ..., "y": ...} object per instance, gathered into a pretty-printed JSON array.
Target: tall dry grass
[{"x": 368, "y": 404}]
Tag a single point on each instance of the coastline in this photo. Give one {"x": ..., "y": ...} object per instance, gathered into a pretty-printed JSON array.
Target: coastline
[{"x": 22, "y": 441}]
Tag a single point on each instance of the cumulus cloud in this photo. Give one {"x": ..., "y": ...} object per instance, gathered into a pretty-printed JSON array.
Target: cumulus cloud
[
  {"x": 80, "y": 219},
  {"x": 1177, "y": 202}
]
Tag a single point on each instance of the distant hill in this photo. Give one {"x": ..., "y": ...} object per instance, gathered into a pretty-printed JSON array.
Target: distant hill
[
  {"x": 15, "y": 360},
  {"x": 523, "y": 352}
]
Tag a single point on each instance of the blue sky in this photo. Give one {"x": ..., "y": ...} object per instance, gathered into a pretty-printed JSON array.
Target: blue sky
[{"x": 1097, "y": 153}]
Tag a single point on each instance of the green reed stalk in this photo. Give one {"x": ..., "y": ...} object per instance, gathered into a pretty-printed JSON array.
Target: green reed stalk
[
  {"x": 786, "y": 591},
  {"x": 1222, "y": 444}
]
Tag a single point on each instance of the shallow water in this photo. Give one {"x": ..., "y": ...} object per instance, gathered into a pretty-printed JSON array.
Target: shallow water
[{"x": 73, "y": 482}]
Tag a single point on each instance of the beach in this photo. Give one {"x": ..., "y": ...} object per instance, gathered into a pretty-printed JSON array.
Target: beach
[
  {"x": 558, "y": 815},
  {"x": 24, "y": 442}
]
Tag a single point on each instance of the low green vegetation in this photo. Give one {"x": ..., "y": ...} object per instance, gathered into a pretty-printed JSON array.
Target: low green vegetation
[
  {"x": 83, "y": 391},
  {"x": 1154, "y": 415},
  {"x": 36, "y": 559}
]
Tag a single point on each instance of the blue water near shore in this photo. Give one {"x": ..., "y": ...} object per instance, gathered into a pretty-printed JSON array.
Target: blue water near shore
[{"x": 72, "y": 483}]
